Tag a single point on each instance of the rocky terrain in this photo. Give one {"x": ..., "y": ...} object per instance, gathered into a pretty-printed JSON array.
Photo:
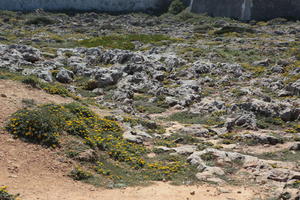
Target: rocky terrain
[{"x": 186, "y": 99}]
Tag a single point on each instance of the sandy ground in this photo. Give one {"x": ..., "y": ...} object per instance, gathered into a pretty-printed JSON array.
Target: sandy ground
[{"x": 40, "y": 174}]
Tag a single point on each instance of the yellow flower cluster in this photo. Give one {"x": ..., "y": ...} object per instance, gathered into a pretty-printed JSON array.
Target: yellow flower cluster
[{"x": 165, "y": 170}]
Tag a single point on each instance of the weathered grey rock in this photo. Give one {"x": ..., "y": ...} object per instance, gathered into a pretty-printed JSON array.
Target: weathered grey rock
[
  {"x": 185, "y": 149},
  {"x": 195, "y": 130},
  {"x": 290, "y": 114},
  {"x": 88, "y": 155},
  {"x": 295, "y": 147},
  {"x": 45, "y": 75},
  {"x": 294, "y": 87},
  {"x": 106, "y": 78},
  {"x": 121, "y": 95},
  {"x": 202, "y": 67},
  {"x": 171, "y": 101},
  {"x": 261, "y": 139},
  {"x": 246, "y": 120},
  {"x": 98, "y": 91},
  {"x": 128, "y": 135},
  {"x": 64, "y": 76},
  {"x": 265, "y": 63}
]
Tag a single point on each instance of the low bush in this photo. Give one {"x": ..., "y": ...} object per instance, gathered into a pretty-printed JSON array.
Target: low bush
[
  {"x": 79, "y": 174},
  {"x": 4, "y": 195},
  {"x": 176, "y": 7},
  {"x": 40, "y": 125},
  {"x": 40, "y": 21}
]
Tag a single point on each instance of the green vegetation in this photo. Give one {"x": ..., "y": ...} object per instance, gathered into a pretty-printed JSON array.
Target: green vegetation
[
  {"x": 4, "y": 195},
  {"x": 270, "y": 122},
  {"x": 192, "y": 118},
  {"x": 125, "y": 42},
  {"x": 285, "y": 155},
  {"x": 79, "y": 174},
  {"x": 176, "y": 7},
  {"x": 76, "y": 129},
  {"x": 40, "y": 20},
  {"x": 51, "y": 88},
  {"x": 35, "y": 82}
]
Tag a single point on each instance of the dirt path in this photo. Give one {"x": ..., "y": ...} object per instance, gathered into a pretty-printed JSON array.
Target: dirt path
[
  {"x": 12, "y": 93},
  {"x": 40, "y": 174}
]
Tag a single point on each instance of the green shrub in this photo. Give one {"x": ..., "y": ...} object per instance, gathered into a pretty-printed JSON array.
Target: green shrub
[
  {"x": 41, "y": 125},
  {"x": 4, "y": 195},
  {"x": 79, "y": 174},
  {"x": 176, "y": 7},
  {"x": 40, "y": 21},
  {"x": 32, "y": 81}
]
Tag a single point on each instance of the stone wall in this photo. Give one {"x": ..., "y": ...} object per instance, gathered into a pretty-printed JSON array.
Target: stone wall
[
  {"x": 86, "y": 5},
  {"x": 248, "y": 9}
]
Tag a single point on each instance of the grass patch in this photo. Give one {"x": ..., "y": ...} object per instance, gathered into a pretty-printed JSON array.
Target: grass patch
[
  {"x": 125, "y": 42},
  {"x": 256, "y": 70},
  {"x": 284, "y": 155},
  {"x": 192, "y": 118}
]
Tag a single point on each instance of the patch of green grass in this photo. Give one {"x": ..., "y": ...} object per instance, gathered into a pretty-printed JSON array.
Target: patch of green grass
[
  {"x": 256, "y": 70},
  {"x": 192, "y": 118},
  {"x": 284, "y": 155},
  {"x": 149, "y": 108},
  {"x": 124, "y": 41}
]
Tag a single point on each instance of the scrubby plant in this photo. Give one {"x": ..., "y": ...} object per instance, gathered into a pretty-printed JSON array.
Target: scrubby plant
[
  {"x": 176, "y": 7},
  {"x": 80, "y": 174},
  {"x": 40, "y": 20},
  {"x": 164, "y": 170},
  {"x": 42, "y": 124},
  {"x": 4, "y": 195}
]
